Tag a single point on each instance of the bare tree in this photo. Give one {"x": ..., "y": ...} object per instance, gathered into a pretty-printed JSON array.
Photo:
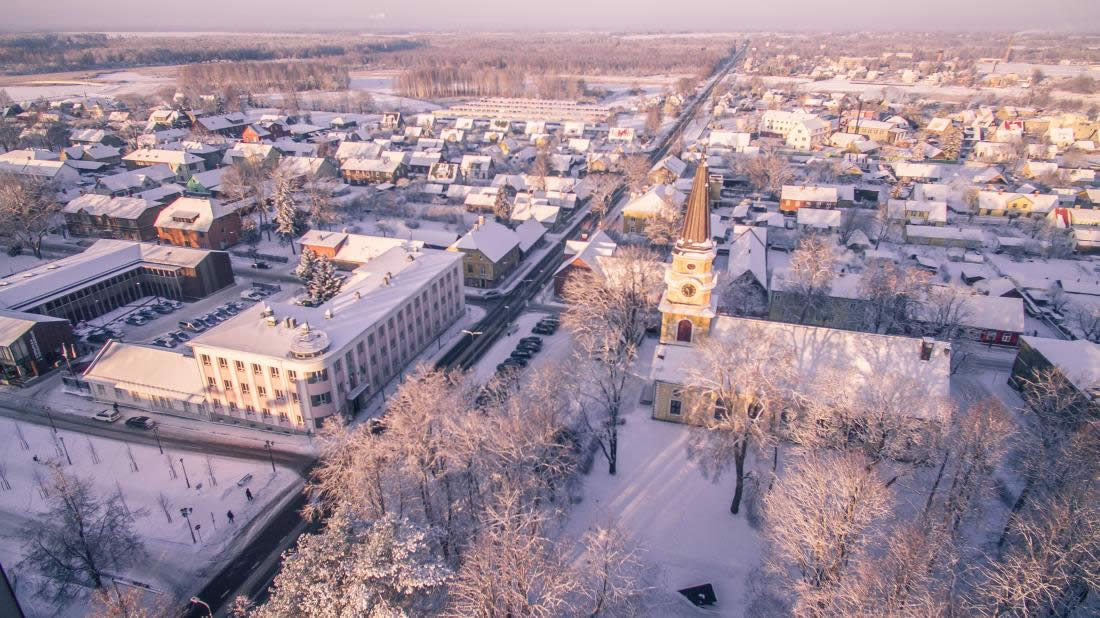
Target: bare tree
[
  {"x": 890, "y": 291},
  {"x": 248, "y": 178},
  {"x": 735, "y": 391},
  {"x": 77, "y": 538},
  {"x": 663, "y": 228},
  {"x": 810, "y": 275},
  {"x": 127, "y": 602},
  {"x": 603, "y": 189},
  {"x": 513, "y": 568},
  {"x": 636, "y": 173},
  {"x": 944, "y": 311},
  {"x": 975, "y": 446},
  {"x": 540, "y": 168},
  {"x": 819, "y": 516},
  {"x": 28, "y": 207},
  {"x": 165, "y": 504},
  {"x": 387, "y": 567},
  {"x": 608, "y": 316},
  {"x": 505, "y": 203},
  {"x": 1052, "y": 568},
  {"x": 768, "y": 171},
  {"x": 1087, "y": 320},
  {"x": 611, "y": 574}
]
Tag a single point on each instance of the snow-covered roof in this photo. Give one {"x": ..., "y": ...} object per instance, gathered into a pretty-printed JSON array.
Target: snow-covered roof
[
  {"x": 371, "y": 293},
  {"x": 358, "y": 150},
  {"x": 529, "y": 232},
  {"x": 125, "y": 364},
  {"x": 387, "y": 166},
  {"x": 13, "y": 324},
  {"x": 860, "y": 358},
  {"x": 654, "y": 201},
  {"x": 491, "y": 239},
  {"x": 117, "y": 207},
  {"x": 193, "y": 213},
  {"x": 803, "y": 193},
  {"x": 998, "y": 200},
  {"x": 749, "y": 253},
  {"x": 105, "y": 258},
  {"x": 934, "y": 212},
  {"x": 819, "y": 217},
  {"x": 908, "y": 169},
  {"x": 169, "y": 157},
  {"x": 1078, "y": 360},
  {"x": 352, "y": 248}
]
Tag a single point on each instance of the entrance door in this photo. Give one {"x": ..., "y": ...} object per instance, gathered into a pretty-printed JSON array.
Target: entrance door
[{"x": 683, "y": 331}]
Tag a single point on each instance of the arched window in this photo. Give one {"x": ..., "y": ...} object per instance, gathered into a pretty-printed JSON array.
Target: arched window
[{"x": 683, "y": 331}]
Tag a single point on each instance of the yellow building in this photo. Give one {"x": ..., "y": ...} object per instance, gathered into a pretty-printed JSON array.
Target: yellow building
[{"x": 688, "y": 304}]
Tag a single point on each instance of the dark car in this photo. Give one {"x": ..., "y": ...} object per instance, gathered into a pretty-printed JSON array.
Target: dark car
[
  {"x": 515, "y": 361},
  {"x": 164, "y": 308},
  {"x": 492, "y": 294},
  {"x": 261, "y": 265},
  {"x": 521, "y": 353},
  {"x": 529, "y": 345},
  {"x": 141, "y": 422},
  {"x": 543, "y": 329}
]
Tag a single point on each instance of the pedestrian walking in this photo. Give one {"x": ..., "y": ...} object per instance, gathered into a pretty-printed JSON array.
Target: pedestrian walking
[
  {"x": 115, "y": 406},
  {"x": 35, "y": 458},
  {"x": 248, "y": 494},
  {"x": 229, "y": 514}
]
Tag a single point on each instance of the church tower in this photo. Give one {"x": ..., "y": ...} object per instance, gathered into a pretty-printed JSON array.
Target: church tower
[{"x": 689, "y": 305}]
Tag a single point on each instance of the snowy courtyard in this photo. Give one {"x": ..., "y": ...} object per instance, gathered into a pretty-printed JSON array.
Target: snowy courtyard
[{"x": 153, "y": 488}]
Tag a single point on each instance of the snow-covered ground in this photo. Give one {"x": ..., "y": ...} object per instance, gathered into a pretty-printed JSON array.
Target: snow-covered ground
[{"x": 174, "y": 564}]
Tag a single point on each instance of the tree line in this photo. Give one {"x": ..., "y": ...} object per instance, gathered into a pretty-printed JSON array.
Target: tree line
[{"x": 259, "y": 76}]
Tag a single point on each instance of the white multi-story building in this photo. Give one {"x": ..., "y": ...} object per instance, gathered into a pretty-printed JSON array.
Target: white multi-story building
[
  {"x": 801, "y": 131},
  {"x": 286, "y": 366}
]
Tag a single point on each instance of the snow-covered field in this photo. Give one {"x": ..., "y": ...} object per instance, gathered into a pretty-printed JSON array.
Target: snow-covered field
[{"x": 141, "y": 474}]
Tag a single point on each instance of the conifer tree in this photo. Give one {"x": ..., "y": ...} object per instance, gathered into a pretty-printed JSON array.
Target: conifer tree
[
  {"x": 289, "y": 222},
  {"x": 325, "y": 283},
  {"x": 307, "y": 263}
]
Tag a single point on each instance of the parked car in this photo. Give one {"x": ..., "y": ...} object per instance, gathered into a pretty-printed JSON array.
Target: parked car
[
  {"x": 261, "y": 265},
  {"x": 515, "y": 362},
  {"x": 107, "y": 416},
  {"x": 529, "y": 345},
  {"x": 163, "y": 308},
  {"x": 175, "y": 304},
  {"x": 544, "y": 329},
  {"x": 492, "y": 294},
  {"x": 141, "y": 422},
  {"x": 194, "y": 326},
  {"x": 136, "y": 320},
  {"x": 179, "y": 335}
]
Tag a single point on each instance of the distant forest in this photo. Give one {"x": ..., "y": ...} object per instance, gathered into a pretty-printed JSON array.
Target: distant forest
[
  {"x": 283, "y": 76},
  {"x": 46, "y": 53},
  {"x": 545, "y": 66}
]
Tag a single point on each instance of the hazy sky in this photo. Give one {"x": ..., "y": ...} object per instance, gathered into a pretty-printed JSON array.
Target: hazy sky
[{"x": 720, "y": 15}]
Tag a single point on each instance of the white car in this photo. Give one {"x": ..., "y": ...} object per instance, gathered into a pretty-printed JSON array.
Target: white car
[{"x": 107, "y": 416}]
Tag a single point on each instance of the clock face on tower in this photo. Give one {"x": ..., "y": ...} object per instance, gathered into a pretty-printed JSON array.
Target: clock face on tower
[{"x": 688, "y": 290}]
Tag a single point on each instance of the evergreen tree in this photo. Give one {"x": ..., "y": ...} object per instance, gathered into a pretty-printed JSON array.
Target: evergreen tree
[
  {"x": 307, "y": 263},
  {"x": 325, "y": 283},
  {"x": 289, "y": 222}
]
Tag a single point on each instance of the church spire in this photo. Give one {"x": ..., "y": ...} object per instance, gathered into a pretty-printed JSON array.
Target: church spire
[{"x": 696, "y": 230}]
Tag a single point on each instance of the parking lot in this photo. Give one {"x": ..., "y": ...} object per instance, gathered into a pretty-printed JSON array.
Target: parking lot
[{"x": 168, "y": 323}]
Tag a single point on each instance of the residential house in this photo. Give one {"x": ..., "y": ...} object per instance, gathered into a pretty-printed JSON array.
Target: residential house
[
  {"x": 183, "y": 164},
  {"x": 920, "y": 212},
  {"x": 477, "y": 167},
  {"x": 583, "y": 256},
  {"x": 264, "y": 154},
  {"x": 794, "y": 197},
  {"x": 368, "y": 171},
  {"x": 127, "y": 218},
  {"x": 1077, "y": 361},
  {"x": 966, "y": 238},
  {"x": 1003, "y": 203},
  {"x": 667, "y": 171},
  {"x": 917, "y": 172},
  {"x": 659, "y": 200},
  {"x": 204, "y": 223},
  {"x": 490, "y": 252}
]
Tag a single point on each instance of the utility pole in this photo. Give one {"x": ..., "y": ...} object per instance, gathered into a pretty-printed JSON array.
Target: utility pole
[
  {"x": 186, "y": 480},
  {"x": 66, "y": 449},
  {"x": 267, "y": 445},
  {"x": 156, "y": 434}
]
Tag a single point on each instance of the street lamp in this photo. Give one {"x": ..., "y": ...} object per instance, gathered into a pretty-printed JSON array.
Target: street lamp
[
  {"x": 186, "y": 512},
  {"x": 198, "y": 601},
  {"x": 156, "y": 434},
  {"x": 268, "y": 444},
  {"x": 66, "y": 449},
  {"x": 185, "y": 479}
]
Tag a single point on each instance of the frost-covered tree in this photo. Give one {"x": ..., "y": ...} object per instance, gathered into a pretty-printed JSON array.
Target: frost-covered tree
[
  {"x": 809, "y": 278},
  {"x": 735, "y": 391},
  {"x": 79, "y": 538},
  {"x": 513, "y": 567},
  {"x": 384, "y": 568},
  {"x": 819, "y": 515},
  {"x": 289, "y": 221},
  {"x": 307, "y": 264},
  {"x": 608, "y": 316},
  {"x": 28, "y": 207},
  {"x": 324, "y": 283}
]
